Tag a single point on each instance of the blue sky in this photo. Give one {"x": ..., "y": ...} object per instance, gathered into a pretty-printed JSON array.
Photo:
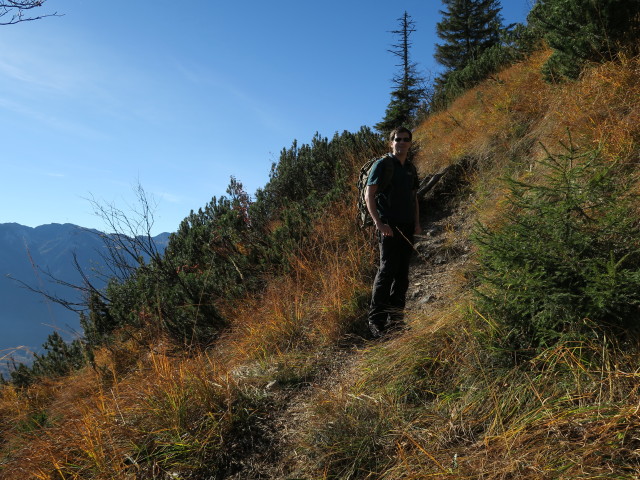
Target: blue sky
[{"x": 179, "y": 96}]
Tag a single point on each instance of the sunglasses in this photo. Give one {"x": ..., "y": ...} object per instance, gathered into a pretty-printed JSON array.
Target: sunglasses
[{"x": 404, "y": 139}]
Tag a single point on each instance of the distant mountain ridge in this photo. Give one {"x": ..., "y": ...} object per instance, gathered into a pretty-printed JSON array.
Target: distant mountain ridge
[{"x": 26, "y": 318}]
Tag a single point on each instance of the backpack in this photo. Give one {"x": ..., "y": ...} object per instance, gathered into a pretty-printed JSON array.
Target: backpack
[{"x": 364, "y": 218}]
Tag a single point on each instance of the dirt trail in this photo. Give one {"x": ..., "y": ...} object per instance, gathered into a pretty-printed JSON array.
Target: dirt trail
[{"x": 439, "y": 250}]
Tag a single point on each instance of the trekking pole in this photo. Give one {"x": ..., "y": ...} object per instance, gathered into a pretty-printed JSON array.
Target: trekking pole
[{"x": 412, "y": 245}]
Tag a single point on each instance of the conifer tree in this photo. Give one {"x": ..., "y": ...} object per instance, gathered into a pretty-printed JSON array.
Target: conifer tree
[
  {"x": 565, "y": 263},
  {"x": 59, "y": 358},
  {"x": 98, "y": 324},
  {"x": 582, "y": 31},
  {"x": 468, "y": 28},
  {"x": 408, "y": 92}
]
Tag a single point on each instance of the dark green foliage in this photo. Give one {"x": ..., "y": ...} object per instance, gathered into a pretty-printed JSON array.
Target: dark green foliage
[
  {"x": 99, "y": 324},
  {"x": 228, "y": 247},
  {"x": 514, "y": 45},
  {"x": 35, "y": 421},
  {"x": 302, "y": 186},
  {"x": 566, "y": 262},
  {"x": 475, "y": 45},
  {"x": 219, "y": 253},
  {"x": 409, "y": 93},
  {"x": 306, "y": 175},
  {"x": 582, "y": 31},
  {"x": 203, "y": 262},
  {"x": 60, "y": 358},
  {"x": 22, "y": 376},
  {"x": 468, "y": 28}
]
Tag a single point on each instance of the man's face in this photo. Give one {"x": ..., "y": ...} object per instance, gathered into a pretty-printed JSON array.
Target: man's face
[{"x": 401, "y": 143}]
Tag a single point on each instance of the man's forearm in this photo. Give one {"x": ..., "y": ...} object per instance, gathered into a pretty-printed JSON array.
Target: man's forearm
[{"x": 370, "y": 198}]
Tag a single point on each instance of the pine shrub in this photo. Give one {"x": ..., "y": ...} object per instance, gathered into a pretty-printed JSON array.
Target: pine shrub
[
  {"x": 566, "y": 261},
  {"x": 58, "y": 359},
  {"x": 229, "y": 247},
  {"x": 582, "y": 31}
]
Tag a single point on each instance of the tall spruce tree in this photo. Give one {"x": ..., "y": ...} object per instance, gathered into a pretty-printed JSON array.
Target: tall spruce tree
[
  {"x": 468, "y": 28},
  {"x": 408, "y": 92},
  {"x": 581, "y": 31}
]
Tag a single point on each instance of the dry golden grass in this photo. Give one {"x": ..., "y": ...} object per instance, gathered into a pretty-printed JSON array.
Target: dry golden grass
[
  {"x": 144, "y": 410},
  {"x": 162, "y": 416},
  {"x": 493, "y": 118},
  {"x": 432, "y": 401},
  {"x": 312, "y": 306}
]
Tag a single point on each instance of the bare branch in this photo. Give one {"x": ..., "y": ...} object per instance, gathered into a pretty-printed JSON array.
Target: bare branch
[
  {"x": 125, "y": 250},
  {"x": 74, "y": 306},
  {"x": 130, "y": 243},
  {"x": 12, "y": 12}
]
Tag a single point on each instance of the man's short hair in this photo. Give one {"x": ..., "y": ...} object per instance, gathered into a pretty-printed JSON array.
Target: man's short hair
[{"x": 398, "y": 130}]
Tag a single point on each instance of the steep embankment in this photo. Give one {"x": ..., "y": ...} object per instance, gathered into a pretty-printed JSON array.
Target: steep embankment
[
  {"x": 433, "y": 402},
  {"x": 295, "y": 390}
]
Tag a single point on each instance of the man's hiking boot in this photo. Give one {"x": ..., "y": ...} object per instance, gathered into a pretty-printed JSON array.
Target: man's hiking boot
[
  {"x": 397, "y": 326},
  {"x": 375, "y": 330}
]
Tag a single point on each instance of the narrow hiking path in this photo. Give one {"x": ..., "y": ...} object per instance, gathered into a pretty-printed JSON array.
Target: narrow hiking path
[{"x": 442, "y": 249}]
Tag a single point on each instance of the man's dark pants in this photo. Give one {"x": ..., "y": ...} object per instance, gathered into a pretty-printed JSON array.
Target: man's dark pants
[{"x": 392, "y": 280}]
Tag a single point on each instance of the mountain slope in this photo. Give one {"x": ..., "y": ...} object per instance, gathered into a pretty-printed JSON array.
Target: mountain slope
[
  {"x": 294, "y": 389},
  {"x": 35, "y": 256}
]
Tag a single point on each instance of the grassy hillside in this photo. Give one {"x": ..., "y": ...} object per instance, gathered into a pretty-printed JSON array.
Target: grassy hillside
[{"x": 291, "y": 389}]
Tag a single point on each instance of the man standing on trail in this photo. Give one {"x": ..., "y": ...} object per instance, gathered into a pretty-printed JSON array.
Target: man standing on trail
[{"x": 394, "y": 210}]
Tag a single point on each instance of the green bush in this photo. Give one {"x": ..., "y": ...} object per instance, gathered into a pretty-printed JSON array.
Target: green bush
[
  {"x": 59, "y": 358},
  {"x": 582, "y": 31},
  {"x": 566, "y": 261},
  {"x": 515, "y": 44},
  {"x": 231, "y": 246}
]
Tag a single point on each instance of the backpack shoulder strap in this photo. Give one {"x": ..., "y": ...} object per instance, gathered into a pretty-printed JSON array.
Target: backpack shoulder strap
[{"x": 387, "y": 161}]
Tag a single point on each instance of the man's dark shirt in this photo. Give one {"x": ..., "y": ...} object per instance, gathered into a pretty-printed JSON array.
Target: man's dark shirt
[{"x": 396, "y": 203}]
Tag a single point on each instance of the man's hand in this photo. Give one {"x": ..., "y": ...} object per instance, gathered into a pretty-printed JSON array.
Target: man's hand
[
  {"x": 370, "y": 198},
  {"x": 385, "y": 229}
]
